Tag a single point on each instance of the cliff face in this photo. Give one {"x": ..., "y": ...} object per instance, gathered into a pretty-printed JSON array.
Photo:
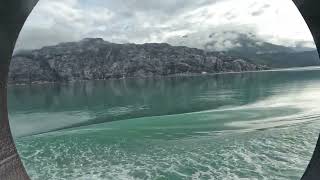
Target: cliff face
[{"x": 97, "y": 59}]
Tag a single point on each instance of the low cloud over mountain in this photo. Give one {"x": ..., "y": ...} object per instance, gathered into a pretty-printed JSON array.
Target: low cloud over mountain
[{"x": 143, "y": 21}]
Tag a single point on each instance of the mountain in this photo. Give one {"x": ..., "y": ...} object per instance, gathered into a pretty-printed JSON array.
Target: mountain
[
  {"x": 272, "y": 55},
  {"x": 283, "y": 59},
  {"x": 248, "y": 45},
  {"x": 236, "y": 41},
  {"x": 94, "y": 58}
]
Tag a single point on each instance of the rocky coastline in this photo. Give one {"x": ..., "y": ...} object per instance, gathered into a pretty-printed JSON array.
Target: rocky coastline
[{"x": 96, "y": 59}]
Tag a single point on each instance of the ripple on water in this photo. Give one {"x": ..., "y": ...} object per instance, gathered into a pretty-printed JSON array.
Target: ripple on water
[
  {"x": 271, "y": 154},
  {"x": 246, "y": 126}
]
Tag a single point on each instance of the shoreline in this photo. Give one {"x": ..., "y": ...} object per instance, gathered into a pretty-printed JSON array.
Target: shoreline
[{"x": 168, "y": 76}]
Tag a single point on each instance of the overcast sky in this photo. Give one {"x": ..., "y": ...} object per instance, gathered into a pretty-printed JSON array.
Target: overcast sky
[{"x": 179, "y": 22}]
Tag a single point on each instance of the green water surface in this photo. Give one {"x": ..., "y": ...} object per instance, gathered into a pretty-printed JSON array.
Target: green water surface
[{"x": 258, "y": 125}]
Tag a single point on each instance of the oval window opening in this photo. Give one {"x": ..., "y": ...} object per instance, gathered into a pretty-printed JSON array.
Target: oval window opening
[{"x": 165, "y": 89}]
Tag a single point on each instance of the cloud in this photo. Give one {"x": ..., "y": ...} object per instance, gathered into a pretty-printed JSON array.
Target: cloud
[
  {"x": 141, "y": 21},
  {"x": 259, "y": 9},
  {"x": 219, "y": 38},
  {"x": 256, "y": 13}
]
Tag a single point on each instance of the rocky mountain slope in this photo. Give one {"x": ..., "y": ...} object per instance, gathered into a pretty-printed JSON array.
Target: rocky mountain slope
[
  {"x": 94, "y": 58},
  {"x": 283, "y": 59}
]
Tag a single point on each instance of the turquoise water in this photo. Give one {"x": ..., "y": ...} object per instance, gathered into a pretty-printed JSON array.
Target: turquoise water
[{"x": 258, "y": 125}]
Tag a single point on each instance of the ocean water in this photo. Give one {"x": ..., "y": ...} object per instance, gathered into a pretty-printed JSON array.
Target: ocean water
[{"x": 257, "y": 125}]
